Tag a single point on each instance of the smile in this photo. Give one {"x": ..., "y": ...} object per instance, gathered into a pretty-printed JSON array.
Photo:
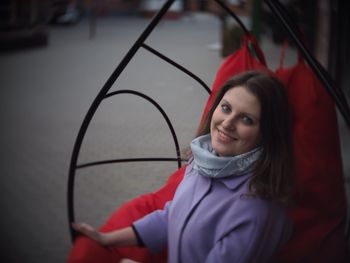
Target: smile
[{"x": 224, "y": 137}]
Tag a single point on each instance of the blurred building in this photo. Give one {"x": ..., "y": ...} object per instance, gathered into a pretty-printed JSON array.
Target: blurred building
[{"x": 23, "y": 24}]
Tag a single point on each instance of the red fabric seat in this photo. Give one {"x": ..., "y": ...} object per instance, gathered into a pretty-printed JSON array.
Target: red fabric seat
[{"x": 320, "y": 211}]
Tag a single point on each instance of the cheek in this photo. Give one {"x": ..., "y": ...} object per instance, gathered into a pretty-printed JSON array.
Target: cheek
[{"x": 249, "y": 134}]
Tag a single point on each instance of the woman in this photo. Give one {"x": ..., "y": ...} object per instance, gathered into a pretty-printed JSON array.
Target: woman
[{"x": 230, "y": 206}]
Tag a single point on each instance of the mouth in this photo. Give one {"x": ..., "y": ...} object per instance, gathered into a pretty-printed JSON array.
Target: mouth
[{"x": 224, "y": 137}]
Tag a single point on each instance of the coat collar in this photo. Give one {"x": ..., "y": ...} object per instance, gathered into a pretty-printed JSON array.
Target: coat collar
[
  {"x": 231, "y": 182},
  {"x": 234, "y": 182}
]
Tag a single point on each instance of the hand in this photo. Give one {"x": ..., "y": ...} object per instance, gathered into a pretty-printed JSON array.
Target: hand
[
  {"x": 118, "y": 237},
  {"x": 91, "y": 232}
]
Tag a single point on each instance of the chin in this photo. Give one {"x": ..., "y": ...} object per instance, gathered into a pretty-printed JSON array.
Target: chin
[
  {"x": 223, "y": 152},
  {"x": 227, "y": 153}
]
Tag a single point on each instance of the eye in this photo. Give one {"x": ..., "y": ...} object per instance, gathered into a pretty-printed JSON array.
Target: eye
[
  {"x": 247, "y": 120},
  {"x": 225, "y": 108}
]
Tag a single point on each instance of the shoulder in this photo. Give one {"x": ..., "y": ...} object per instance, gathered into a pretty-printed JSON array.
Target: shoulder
[
  {"x": 260, "y": 205},
  {"x": 245, "y": 198},
  {"x": 247, "y": 208},
  {"x": 260, "y": 211}
]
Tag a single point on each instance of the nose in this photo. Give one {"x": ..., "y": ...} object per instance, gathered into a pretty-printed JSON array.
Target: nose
[{"x": 229, "y": 123}]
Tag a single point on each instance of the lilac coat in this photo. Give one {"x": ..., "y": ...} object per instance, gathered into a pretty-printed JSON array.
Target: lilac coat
[{"x": 209, "y": 221}]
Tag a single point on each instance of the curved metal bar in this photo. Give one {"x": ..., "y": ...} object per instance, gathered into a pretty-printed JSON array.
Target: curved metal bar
[
  {"x": 315, "y": 66},
  {"x": 178, "y": 154},
  {"x": 339, "y": 91},
  {"x": 96, "y": 103},
  {"x": 157, "y": 53},
  {"x": 129, "y": 160},
  {"x": 228, "y": 10}
]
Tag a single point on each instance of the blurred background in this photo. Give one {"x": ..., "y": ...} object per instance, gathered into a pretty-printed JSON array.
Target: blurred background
[{"x": 55, "y": 56}]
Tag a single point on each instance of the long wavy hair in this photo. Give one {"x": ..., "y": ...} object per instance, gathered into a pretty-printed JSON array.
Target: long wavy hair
[{"x": 272, "y": 172}]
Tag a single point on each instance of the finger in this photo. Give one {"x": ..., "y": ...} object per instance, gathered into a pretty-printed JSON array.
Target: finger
[{"x": 76, "y": 226}]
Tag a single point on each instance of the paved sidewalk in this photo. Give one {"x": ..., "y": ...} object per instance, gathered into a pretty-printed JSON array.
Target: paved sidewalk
[{"x": 44, "y": 96}]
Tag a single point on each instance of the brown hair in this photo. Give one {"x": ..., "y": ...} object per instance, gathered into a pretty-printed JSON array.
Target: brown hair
[{"x": 272, "y": 172}]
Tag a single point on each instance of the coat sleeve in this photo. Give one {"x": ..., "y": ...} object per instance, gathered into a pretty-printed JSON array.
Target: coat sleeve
[
  {"x": 256, "y": 237},
  {"x": 153, "y": 229}
]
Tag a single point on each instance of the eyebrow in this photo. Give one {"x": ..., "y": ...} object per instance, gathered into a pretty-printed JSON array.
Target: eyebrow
[{"x": 243, "y": 112}]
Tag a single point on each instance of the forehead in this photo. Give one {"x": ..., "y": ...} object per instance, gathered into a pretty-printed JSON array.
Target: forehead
[{"x": 241, "y": 99}]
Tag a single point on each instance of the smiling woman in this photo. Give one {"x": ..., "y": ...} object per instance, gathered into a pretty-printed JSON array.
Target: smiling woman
[{"x": 231, "y": 204}]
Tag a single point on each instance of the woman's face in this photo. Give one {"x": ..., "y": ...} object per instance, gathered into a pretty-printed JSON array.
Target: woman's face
[{"x": 235, "y": 124}]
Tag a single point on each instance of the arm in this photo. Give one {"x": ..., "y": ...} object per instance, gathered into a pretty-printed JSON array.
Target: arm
[
  {"x": 237, "y": 246},
  {"x": 153, "y": 230},
  {"x": 123, "y": 237}
]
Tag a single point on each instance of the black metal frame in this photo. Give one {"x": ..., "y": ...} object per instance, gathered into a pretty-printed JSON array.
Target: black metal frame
[{"x": 140, "y": 42}]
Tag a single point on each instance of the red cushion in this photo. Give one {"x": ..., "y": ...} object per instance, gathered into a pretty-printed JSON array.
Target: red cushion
[{"x": 320, "y": 211}]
